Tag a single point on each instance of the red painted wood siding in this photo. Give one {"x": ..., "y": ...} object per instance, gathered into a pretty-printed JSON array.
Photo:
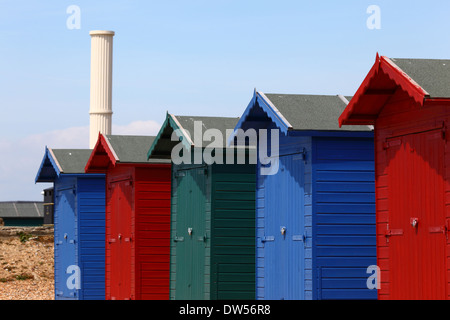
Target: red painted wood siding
[
  {"x": 153, "y": 232},
  {"x": 119, "y": 282},
  {"x": 402, "y": 117},
  {"x": 145, "y": 261}
]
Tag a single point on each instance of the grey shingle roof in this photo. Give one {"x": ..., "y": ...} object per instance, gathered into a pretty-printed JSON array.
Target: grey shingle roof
[
  {"x": 164, "y": 145},
  {"x": 433, "y": 75},
  {"x": 312, "y": 112},
  {"x": 131, "y": 149},
  {"x": 72, "y": 160},
  {"x": 21, "y": 209},
  {"x": 220, "y": 123}
]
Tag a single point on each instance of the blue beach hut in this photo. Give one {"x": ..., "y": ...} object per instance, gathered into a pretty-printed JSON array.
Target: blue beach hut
[
  {"x": 315, "y": 211},
  {"x": 79, "y": 224}
]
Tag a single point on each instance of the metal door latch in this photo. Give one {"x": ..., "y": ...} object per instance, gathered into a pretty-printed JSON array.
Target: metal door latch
[
  {"x": 190, "y": 231},
  {"x": 283, "y": 231},
  {"x": 414, "y": 222},
  {"x": 267, "y": 238}
]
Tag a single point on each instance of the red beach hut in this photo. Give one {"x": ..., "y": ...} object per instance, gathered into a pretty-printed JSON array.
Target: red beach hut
[
  {"x": 408, "y": 103},
  {"x": 137, "y": 217}
]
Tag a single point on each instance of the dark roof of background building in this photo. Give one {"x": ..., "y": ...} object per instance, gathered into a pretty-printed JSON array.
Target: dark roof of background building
[{"x": 21, "y": 209}]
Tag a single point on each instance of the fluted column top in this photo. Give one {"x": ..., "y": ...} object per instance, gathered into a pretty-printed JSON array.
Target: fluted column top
[{"x": 101, "y": 32}]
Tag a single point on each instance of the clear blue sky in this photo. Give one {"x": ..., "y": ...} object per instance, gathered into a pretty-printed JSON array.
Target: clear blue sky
[{"x": 185, "y": 57}]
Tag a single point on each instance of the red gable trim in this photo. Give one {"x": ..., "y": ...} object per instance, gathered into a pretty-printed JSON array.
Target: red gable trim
[
  {"x": 101, "y": 157},
  {"x": 352, "y": 114}
]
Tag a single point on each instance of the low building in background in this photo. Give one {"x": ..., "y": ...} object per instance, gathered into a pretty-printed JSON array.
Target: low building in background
[{"x": 22, "y": 213}]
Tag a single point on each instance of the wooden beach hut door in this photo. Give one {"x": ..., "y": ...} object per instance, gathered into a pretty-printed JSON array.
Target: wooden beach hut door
[
  {"x": 65, "y": 242},
  {"x": 284, "y": 241},
  {"x": 190, "y": 236},
  {"x": 120, "y": 239},
  {"x": 417, "y": 231}
]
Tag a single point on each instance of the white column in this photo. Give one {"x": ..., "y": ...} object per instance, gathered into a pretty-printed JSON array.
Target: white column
[{"x": 101, "y": 84}]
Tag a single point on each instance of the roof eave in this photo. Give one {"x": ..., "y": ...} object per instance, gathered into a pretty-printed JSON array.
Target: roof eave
[
  {"x": 350, "y": 115},
  {"x": 172, "y": 122},
  {"x": 102, "y": 141},
  {"x": 50, "y": 156},
  {"x": 269, "y": 108}
]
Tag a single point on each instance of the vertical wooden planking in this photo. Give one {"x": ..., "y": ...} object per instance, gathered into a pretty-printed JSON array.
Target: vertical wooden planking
[
  {"x": 283, "y": 263},
  {"x": 119, "y": 227},
  {"x": 189, "y": 272},
  {"x": 412, "y": 196},
  {"x": 66, "y": 251}
]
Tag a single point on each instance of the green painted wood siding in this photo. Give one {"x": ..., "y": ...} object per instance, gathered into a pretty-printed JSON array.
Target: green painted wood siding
[
  {"x": 218, "y": 260},
  {"x": 190, "y": 254},
  {"x": 233, "y": 230}
]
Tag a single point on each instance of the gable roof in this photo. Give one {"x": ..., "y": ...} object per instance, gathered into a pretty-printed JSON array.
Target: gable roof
[
  {"x": 61, "y": 161},
  {"x": 113, "y": 149},
  {"x": 420, "y": 78},
  {"x": 21, "y": 209},
  {"x": 130, "y": 149},
  {"x": 433, "y": 75},
  {"x": 184, "y": 127},
  {"x": 297, "y": 112}
]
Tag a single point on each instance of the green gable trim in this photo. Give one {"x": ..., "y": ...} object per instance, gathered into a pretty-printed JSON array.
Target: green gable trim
[
  {"x": 184, "y": 128},
  {"x": 162, "y": 144}
]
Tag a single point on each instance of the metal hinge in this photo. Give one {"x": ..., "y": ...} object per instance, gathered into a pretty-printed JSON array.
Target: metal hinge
[
  {"x": 441, "y": 229},
  {"x": 392, "y": 143},
  {"x": 178, "y": 239},
  {"x": 267, "y": 238},
  {"x": 392, "y": 232},
  {"x": 180, "y": 174},
  {"x": 300, "y": 237}
]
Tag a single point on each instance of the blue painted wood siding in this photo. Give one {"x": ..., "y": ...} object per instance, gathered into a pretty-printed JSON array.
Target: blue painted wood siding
[
  {"x": 91, "y": 213},
  {"x": 80, "y": 236},
  {"x": 297, "y": 279},
  {"x": 343, "y": 217},
  {"x": 65, "y": 236}
]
